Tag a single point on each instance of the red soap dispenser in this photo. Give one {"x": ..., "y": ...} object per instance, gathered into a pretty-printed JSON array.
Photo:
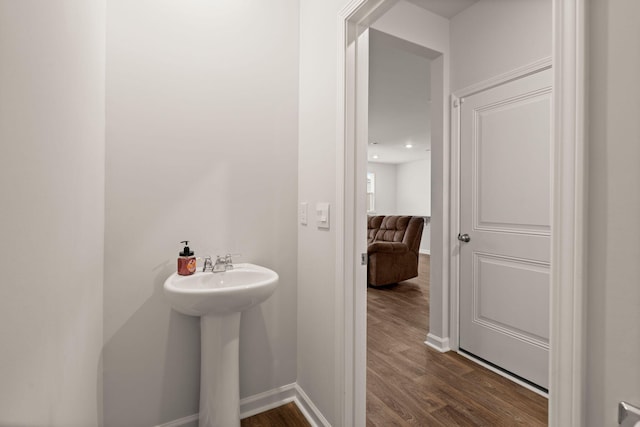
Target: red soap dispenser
[{"x": 186, "y": 261}]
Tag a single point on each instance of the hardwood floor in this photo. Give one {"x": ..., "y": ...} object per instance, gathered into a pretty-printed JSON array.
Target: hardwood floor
[
  {"x": 287, "y": 415},
  {"x": 409, "y": 383}
]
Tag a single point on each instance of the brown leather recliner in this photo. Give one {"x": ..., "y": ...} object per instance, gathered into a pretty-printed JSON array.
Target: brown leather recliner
[{"x": 393, "y": 248}]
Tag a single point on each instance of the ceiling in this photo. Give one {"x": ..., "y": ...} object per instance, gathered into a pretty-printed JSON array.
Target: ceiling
[
  {"x": 445, "y": 8},
  {"x": 399, "y": 101},
  {"x": 399, "y": 92}
]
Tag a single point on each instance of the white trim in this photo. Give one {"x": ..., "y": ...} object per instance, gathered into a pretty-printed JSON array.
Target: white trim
[
  {"x": 504, "y": 374},
  {"x": 569, "y": 216},
  {"x": 180, "y": 422},
  {"x": 309, "y": 410},
  {"x": 350, "y": 320},
  {"x": 446, "y": 201},
  {"x": 515, "y": 74},
  {"x": 343, "y": 375},
  {"x": 454, "y": 212},
  {"x": 279, "y": 396},
  {"x": 456, "y": 102},
  {"x": 437, "y": 343},
  {"x": 425, "y": 251},
  {"x": 359, "y": 203},
  {"x": 266, "y": 401}
]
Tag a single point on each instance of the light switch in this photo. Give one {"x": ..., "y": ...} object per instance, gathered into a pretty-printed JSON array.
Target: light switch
[
  {"x": 322, "y": 215},
  {"x": 304, "y": 208}
]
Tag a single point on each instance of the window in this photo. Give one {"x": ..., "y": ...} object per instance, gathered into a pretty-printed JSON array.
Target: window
[{"x": 371, "y": 192}]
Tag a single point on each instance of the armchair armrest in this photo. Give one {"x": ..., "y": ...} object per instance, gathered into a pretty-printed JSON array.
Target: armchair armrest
[{"x": 387, "y": 247}]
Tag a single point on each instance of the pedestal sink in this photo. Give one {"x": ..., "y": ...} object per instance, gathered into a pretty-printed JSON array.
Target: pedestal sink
[{"x": 219, "y": 299}]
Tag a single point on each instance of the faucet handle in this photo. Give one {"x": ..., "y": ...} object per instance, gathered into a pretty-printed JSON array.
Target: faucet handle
[
  {"x": 228, "y": 258},
  {"x": 208, "y": 264}
]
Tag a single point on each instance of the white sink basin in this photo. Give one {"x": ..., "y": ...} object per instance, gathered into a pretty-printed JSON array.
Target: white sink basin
[
  {"x": 219, "y": 293},
  {"x": 219, "y": 299}
]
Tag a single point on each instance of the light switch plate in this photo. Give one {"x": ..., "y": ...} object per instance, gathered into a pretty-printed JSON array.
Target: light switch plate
[
  {"x": 322, "y": 215},
  {"x": 304, "y": 209}
]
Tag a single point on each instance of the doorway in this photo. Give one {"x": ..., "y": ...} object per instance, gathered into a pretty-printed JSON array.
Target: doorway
[
  {"x": 403, "y": 98},
  {"x": 567, "y": 215}
]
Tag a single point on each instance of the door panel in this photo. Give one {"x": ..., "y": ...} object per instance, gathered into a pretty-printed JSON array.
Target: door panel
[
  {"x": 498, "y": 127},
  {"x": 523, "y": 283},
  {"x": 505, "y": 208}
]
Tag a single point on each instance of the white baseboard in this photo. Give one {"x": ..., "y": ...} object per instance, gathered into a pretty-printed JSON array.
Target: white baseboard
[
  {"x": 437, "y": 343},
  {"x": 309, "y": 410},
  {"x": 267, "y": 400},
  {"x": 181, "y": 422},
  {"x": 425, "y": 251},
  {"x": 270, "y": 399}
]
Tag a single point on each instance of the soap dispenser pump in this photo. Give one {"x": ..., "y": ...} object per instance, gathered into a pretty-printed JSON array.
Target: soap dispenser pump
[{"x": 186, "y": 261}]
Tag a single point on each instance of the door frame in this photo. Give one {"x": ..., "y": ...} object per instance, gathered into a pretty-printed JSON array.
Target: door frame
[{"x": 568, "y": 218}]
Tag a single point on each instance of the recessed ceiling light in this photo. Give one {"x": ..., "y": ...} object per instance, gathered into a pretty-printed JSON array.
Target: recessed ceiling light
[
  {"x": 374, "y": 143},
  {"x": 375, "y": 156},
  {"x": 409, "y": 145}
]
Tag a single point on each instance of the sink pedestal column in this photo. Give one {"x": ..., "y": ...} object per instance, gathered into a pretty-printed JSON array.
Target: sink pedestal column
[{"x": 219, "y": 370}]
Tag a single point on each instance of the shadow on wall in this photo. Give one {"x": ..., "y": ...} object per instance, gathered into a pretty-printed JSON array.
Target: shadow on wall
[
  {"x": 128, "y": 379},
  {"x": 253, "y": 324}
]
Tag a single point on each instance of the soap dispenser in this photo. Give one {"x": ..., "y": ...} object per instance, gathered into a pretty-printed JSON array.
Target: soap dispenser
[{"x": 186, "y": 261}]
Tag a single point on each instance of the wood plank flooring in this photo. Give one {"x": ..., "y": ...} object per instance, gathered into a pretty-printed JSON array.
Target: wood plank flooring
[
  {"x": 287, "y": 415},
  {"x": 409, "y": 383}
]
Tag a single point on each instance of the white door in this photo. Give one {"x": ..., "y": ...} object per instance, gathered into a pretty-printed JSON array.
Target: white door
[{"x": 505, "y": 137}]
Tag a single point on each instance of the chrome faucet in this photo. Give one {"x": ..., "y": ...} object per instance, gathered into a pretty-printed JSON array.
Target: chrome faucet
[
  {"x": 228, "y": 262},
  {"x": 208, "y": 264},
  {"x": 222, "y": 263}
]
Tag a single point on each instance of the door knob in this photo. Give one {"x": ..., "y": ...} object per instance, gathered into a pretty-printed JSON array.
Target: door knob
[{"x": 464, "y": 238}]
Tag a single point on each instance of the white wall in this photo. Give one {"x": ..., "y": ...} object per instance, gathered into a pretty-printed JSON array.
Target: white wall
[
  {"x": 52, "y": 210},
  {"x": 402, "y": 189},
  {"x": 414, "y": 188},
  {"x": 425, "y": 242},
  {"x": 317, "y": 183},
  {"x": 385, "y": 187},
  {"x": 492, "y": 37},
  {"x": 613, "y": 341},
  {"x": 202, "y": 104},
  {"x": 414, "y": 194}
]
